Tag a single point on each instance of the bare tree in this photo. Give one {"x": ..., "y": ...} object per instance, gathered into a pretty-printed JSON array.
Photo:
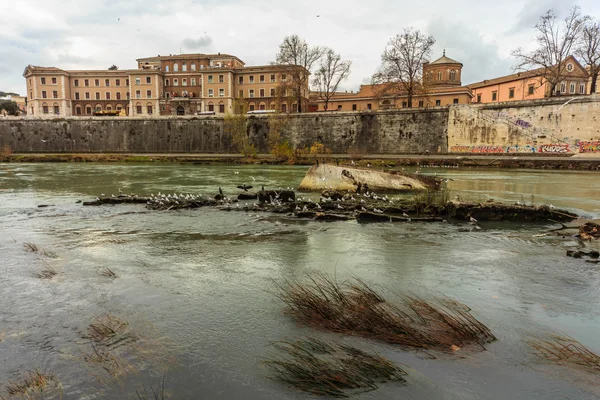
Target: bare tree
[
  {"x": 332, "y": 71},
  {"x": 401, "y": 69},
  {"x": 589, "y": 50},
  {"x": 555, "y": 42},
  {"x": 113, "y": 68},
  {"x": 297, "y": 59}
]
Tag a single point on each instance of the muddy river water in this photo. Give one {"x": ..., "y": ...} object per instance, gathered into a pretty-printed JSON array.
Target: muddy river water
[{"x": 199, "y": 282}]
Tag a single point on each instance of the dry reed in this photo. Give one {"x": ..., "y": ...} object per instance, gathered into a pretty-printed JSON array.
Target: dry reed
[
  {"x": 47, "y": 273},
  {"x": 354, "y": 308},
  {"x": 34, "y": 248},
  {"x": 566, "y": 351},
  {"x": 155, "y": 393},
  {"x": 35, "y": 383},
  {"x": 107, "y": 272},
  {"x": 328, "y": 369}
]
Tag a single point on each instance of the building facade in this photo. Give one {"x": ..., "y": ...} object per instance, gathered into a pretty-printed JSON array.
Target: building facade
[
  {"x": 441, "y": 87},
  {"x": 183, "y": 84},
  {"x": 531, "y": 85}
]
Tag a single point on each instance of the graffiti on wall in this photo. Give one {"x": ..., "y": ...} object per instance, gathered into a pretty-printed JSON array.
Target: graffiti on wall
[
  {"x": 543, "y": 148},
  {"x": 592, "y": 146},
  {"x": 523, "y": 124}
]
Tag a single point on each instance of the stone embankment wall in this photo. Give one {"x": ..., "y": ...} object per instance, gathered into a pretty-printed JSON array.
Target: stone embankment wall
[
  {"x": 570, "y": 125},
  {"x": 541, "y": 126},
  {"x": 359, "y": 133}
]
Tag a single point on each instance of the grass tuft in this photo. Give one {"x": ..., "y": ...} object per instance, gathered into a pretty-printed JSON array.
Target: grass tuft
[
  {"x": 107, "y": 272},
  {"x": 47, "y": 273},
  {"x": 328, "y": 369},
  {"x": 34, "y": 383},
  {"x": 567, "y": 351},
  {"x": 34, "y": 248}
]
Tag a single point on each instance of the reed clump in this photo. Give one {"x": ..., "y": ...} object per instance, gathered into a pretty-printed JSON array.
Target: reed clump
[
  {"x": 353, "y": 308},
  {"x": 566, "y": 351},
  {"x": 35, "y": 384},
  {"x": 329, "y": 369},
  {"x": 34, "y": 248},
  {"x": 47, "y": 273},
  {"x": 156, "y": 392},
  {"x": 107, "y": 272},
  {"x": 109, "y": 331}
]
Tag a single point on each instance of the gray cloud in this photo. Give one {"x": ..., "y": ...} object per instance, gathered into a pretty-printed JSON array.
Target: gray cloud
[
  {"x": 531, "y": 12},
  {"x": 203, "y": 42}
]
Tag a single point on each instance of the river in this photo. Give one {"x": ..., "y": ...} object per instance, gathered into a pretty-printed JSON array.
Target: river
[{"x": 199, "y": 282}]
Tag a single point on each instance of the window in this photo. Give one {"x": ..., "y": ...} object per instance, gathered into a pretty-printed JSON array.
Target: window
[
  {"x": 118, "y": 95},
  {"x": 241, "y": 80},
  {"x": 54, "y": 94},
  {"x": 30, "y": 82},
  {"x": 76, "y": 96},
  {"x": 31, "y": 94},
  {"x": 582, "y": 88},
  {"x": 193, "y": 81},
  {"x": 438, "y": 103},
  {"x": 184, "y": 82},
  {"x": 563, "y": 87},
  {"x": 45, "y": 109},
  {"x": 210, "y": 79},
  {"x": 175, "y": 67},
  {"x": 452, "y": 75},
  {"x": 511, "y": 93},
  {"x": 262, "y": 92},
  {"x": 404, "y": 104},
  {"x": 148, "y": 80},
  {"x": 184, "y": 67},
  {"x": 44, "y": 95},
  {"x": 211, "y": 107},
  {"x": 56, "y": 110},
  {"x": 262, "y": 106},
  {"x": 369, "y": 106},
  {"x": 107, "y": 82},
  {"x": 572, "y": 87},
  {"x": 167, "y": 82},
  {"x": 221, "y": 78},
  {"x": 138, "y": 94},
  {"x": 86, "y": 82},
  {"x": 272, "y": 92},
  {"x": 78, "y": 110},
  {"x": 149, "y": 109},
  {"x": 251, "y": 93},
  {"x": 43, "y": 83},
  {"x": 97, "y": 95},
  {"x": 570, "y": 67},
  {"x": 421, "y": 103},
  {"x": 88, "y": 110},
  {"x": 455, "y": 101},
  {"x": 138, "y": 81},
  {"x": 251, "y": 107},
  {"x": 494, "y": 95},
  {"x": 353, "y": 107},
  {"x": 221, "y": 108},
  {"x": 221, "y": 92},
  {"x": 149, "y": 94},
  {"x": 241, "y": 93},
  {"x": 211, "y": 93},
  {"x": 107, "y": 95},
  {"x": 175, "y": 82},
  {"x": 87, "y": 95},
  {"x": 138, "y": 109},
  {"x": 261, "y": 79},
  {"x": 76, "y": 82},
  {"x": 479, "y": 98},
  {"x": 193, "y": 66},
  {"x": 96, "y": 82},
  {"x": 127, "y": 82},
  {"x": 54, "y": 81},
  {"x": 272, "y": 78},
  {"x": 284, "y": 77},
  {"x": 251, "y": 78},
  {"x": 530, "y": 90},
  {"x": 440, "y": 76},
  {"x": 166, "y": 68},
  {"x": 117, "y": 82}
]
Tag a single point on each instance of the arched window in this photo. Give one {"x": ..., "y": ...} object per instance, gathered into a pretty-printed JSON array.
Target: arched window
[
  {"x": 108, "y": 107},
  {"x": 184, "y": 82},
  {"x": 193, "y": 66},
  {"x": 167, "y": 82},
  {"x": 452, "y": 75},
  {"x": 78, "y": 110},
  {"x": 175, "y": 67},
  {"x": 175, "y": 82},
  {"x": 272, "y": 106},
  {"x": 166, "y": 68},
  {"x": 98, "y": 107},
  {"x": 439, "y": 75},
  {"x": 184, "y": 67}
]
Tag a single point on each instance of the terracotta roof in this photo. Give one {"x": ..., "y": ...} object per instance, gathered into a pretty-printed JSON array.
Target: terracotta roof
[
  {"x": 188, "y": 56},
  {"x": 507, "y": 78},
  {"x": 445, "y": 60}
]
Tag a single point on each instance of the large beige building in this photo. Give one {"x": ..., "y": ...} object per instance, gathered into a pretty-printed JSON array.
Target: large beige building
[{"x": 183, "y": 84}]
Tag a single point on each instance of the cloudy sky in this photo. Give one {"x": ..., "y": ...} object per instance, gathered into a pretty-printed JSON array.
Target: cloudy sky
[{"x": 94, "y": 34}]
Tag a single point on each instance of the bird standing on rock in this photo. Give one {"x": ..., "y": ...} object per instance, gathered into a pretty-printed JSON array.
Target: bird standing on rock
[{"x": 220, "y": 191}]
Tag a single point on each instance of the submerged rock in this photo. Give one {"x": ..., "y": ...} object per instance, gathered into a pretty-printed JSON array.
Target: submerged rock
[{"x": 327, "y": 176}]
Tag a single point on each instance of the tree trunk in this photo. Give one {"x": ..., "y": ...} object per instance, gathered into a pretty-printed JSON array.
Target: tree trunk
[{"x": 593, "y": 85}]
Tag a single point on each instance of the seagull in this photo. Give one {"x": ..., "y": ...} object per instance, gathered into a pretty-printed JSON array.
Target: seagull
[
  {"x": 254, "y": 180},
  {"x": 551, "y": 207},
  {"x": 236, "y": 173},
  {"x": 405, "y": 215},
  {"x": 363, "y": 209},
  {"x": 339, "y": 206},
  {"x": 120, "y": 191},
  {"x": 318, "y": 206},
  {"x": 473, "y": 220},
  {"x": 44, "y": 141}
]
